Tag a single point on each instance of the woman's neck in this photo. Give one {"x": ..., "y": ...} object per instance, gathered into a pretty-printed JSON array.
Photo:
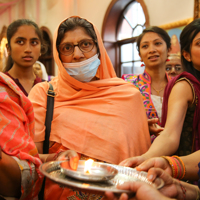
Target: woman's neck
[
  {"x": 25, "y": 73},
  {"x": 157, "y": 75}
]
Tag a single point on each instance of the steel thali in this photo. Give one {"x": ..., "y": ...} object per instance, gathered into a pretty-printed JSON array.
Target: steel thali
[{"x": 54, "y": 171}]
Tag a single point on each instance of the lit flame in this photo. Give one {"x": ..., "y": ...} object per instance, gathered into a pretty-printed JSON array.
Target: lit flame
[{"x": 88, "y": 165}]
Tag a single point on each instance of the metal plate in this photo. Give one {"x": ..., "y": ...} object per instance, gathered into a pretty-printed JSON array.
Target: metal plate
[
  {"x": 52, "y": 170},
  {"x": 98, "y": 172}
]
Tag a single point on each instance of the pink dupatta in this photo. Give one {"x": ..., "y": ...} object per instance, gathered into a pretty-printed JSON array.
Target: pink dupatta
[{"x": 17, "y": 126}]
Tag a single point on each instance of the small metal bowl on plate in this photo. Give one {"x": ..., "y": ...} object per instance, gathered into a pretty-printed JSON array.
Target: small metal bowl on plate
[{"x": 98, "y": 172}]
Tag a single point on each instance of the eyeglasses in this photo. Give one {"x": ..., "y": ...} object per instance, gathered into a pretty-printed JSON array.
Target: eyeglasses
[
  {"x": 84, "y": 45},
  {"x": 176, "y": 67}
]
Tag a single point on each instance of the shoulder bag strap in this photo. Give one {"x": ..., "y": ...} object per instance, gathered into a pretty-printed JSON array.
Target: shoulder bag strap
[{"x": 49, "y": 116}]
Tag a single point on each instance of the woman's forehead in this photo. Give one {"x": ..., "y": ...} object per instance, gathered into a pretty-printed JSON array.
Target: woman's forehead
[
  {"x": 75, "y": 35},
  {"x": 150, "y": 36},
  {"x": 26, "y": 31}
]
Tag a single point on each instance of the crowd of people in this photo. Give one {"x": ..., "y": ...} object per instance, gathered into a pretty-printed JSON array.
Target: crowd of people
[{"x": 149, "y": 121}]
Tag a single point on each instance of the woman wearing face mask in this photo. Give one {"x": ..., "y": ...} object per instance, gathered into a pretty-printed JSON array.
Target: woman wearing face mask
[
  {"x": 153, "y": 46},
  {"x": 95, "y": 113}
]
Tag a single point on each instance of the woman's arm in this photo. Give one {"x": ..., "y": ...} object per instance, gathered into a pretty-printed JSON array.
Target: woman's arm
[
  {"x": 168, "y": 141},
  {"x": 70, "y": 155},
  {"x": 10, "y": 177},
  {"x": 191, "y": 164},
  {"x": 190, "y": 161}
]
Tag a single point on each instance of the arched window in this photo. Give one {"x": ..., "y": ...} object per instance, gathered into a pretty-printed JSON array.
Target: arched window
[{"x": 120, "y": 33}]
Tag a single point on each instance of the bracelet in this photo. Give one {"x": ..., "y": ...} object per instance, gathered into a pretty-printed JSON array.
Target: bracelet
[
  {"x": 171, "y": 164},
  {"x": 175, "y": 167},
  {"x": 183, "y": 190},
  {"x": 183, "y": 165},
  {"x": 179, "y": 166},
  {"x": 198, "y": 195}
]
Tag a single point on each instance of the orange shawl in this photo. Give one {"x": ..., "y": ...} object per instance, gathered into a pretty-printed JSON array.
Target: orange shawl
[
  {"x": 104, "y": 119},
  {"x": 17, "y": 127}
]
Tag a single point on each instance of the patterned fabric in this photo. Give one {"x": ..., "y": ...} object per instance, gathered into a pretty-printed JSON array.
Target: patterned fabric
[
  {"x": 143, "y": 83},
  {"x": 64, "y": 192},
  {"x": 17, "y": 132}
]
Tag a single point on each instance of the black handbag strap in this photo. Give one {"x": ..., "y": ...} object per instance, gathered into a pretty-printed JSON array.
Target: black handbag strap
[{"x": 49, "y": 116}]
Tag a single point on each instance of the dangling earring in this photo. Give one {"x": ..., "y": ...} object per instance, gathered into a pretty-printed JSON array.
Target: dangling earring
[
  {"x": 167, "y": 60},
  {"x": 142, "y": 65}
]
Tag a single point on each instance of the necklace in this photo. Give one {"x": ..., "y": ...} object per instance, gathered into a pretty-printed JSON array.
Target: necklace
[{"x": 158, "y": 91}]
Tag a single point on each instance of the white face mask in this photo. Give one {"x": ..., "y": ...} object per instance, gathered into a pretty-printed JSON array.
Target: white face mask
[{"x": 83, "y": 71}]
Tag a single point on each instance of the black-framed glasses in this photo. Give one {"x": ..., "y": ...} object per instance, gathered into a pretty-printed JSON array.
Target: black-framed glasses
[{"x": 84, "y": 45}]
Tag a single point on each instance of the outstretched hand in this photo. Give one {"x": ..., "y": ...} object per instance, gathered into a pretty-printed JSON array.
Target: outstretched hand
[
  {"x": 157, "y": 162},
  {"x": 154, "y": 128},
  {"x": 144, "y": 191},
  {"x": 70, "y": 155},
  {"x": 133, "y": 161}
]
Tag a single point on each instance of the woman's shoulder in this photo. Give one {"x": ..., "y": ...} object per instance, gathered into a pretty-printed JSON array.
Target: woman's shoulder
[
  {"x": 38, "y": 90},
  {"x": 184, "y": 88}
]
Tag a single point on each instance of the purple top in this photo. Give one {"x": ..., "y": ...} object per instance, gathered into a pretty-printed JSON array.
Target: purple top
[{"x": 37, "y": 80}]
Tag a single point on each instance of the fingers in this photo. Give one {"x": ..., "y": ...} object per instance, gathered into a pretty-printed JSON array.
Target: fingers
[
  {"x": 153, "y": 173},
  {"x": 156, "y": 162},
  {"x": 109, "y": 196},
  {"x": 155, "y": 129},
  {"x": 146, "y": 165},
  {"x": 124, "y": 196},
  {"x": 132, "y": 186},
  {"x": 152, "y": 121},
  {"x": 72, "y": 156},
  {"x": 130, "y": 162},
  {"x": 133, "y": 162},
  {"x": 74, "y": 162},
  {"x": 123, "y": 162},
  {"x": 73, "y": 159}
]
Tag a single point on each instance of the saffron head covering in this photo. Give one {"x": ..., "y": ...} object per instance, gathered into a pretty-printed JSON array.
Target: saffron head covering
[{"x": 104, "y": 119}]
